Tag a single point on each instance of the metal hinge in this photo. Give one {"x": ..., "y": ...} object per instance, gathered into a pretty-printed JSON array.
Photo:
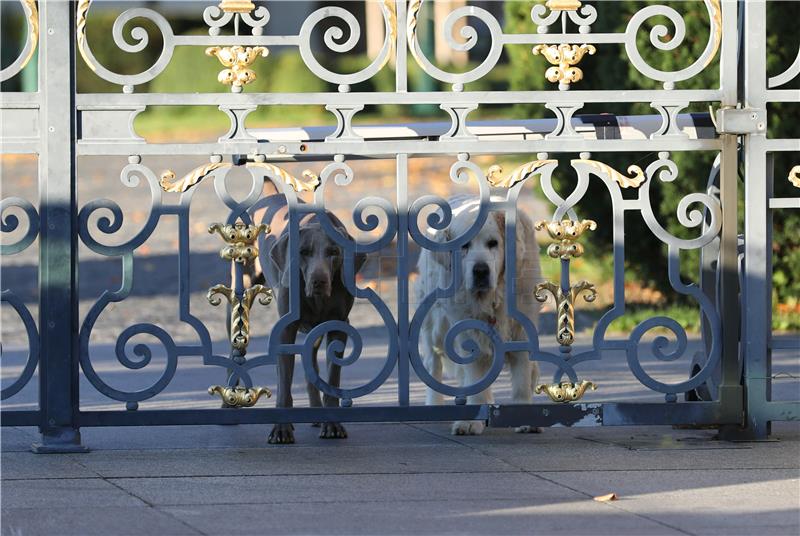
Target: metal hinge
[{"x": 740, "y": 121}]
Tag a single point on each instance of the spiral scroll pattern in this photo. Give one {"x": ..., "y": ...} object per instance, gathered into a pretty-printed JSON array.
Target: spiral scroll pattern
[
  {"x": 674, "y": 39},
  {"x": 31, "y": 43},
  {"x": 334, "y": 40},
  {"x": 141, "y": 41}
]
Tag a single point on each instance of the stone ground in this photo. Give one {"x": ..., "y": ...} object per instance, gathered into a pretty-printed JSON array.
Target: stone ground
[{"x": 403, "y": 479}]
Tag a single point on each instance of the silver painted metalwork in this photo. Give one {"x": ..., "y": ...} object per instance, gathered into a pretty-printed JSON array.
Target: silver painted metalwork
[{"x": 107, "y": 122}]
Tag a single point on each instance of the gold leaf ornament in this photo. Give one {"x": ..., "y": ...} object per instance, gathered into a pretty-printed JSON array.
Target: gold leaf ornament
[
  {"x": 308, "y": 182},
  {"x": 495, "y": 173},
  {"x": 634, "y": 181},
  {"x": 169, "y": 184}
]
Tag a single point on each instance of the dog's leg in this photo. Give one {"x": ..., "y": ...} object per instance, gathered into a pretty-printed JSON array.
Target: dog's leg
[
  {"x": 284, "y": 433},
  {"x": 524, "y": 374},
  {"x": 334, "y": 430},
  {"x": 433, "y": 363},
  {"x": 432, "y": 359},
  {"x": 314, "y": 399},
  {"x": 472, "y": 373}
]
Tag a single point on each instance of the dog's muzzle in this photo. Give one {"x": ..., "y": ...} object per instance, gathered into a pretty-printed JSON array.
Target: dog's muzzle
[
  {"x": 319, "y": 287},
  {"x": 481, "y": 274}
]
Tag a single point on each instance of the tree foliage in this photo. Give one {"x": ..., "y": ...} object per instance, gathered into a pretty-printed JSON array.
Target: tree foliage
[{"x": 610, "y": 68}]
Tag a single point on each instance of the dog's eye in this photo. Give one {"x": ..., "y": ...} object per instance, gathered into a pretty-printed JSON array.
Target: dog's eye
[
  {"x": 305, "y": 252},
  {"x": 465, "y": 247},
  {"x": 491, "y": 244},
  {"x": 332, "y": 252}
]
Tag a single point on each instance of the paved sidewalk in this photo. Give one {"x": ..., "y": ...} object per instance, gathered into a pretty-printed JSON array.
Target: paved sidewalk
[{"x": 400, "y": 479}]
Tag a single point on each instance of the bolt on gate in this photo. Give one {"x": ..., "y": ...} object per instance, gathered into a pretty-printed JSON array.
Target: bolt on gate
[{"x": 58, "y": 125}]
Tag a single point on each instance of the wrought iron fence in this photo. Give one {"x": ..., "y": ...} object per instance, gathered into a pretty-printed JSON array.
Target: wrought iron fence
[{"x": 59, "y": 125}]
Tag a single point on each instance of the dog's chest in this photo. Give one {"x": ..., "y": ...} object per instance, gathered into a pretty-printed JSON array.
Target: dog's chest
[{"x": 315, "y": 311}]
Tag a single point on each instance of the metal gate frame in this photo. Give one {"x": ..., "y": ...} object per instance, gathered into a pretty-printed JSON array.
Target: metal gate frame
[{"x": 67, "y": 124}]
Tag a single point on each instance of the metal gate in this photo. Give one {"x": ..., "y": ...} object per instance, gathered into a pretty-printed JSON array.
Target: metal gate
[{"x": 59, "y": 125}]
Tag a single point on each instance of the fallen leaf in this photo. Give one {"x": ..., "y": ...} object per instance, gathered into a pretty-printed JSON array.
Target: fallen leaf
[{"x": 606, "y": 498}]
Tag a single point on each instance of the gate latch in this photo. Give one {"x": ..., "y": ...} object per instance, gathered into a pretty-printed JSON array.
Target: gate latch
[{"x": 740, "y": 121}]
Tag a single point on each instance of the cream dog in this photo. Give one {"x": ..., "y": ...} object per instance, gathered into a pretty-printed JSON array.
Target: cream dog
[{"x": 481, "y": 296}]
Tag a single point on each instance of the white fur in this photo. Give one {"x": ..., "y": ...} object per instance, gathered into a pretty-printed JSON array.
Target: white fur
[{"x": 434, "y": 272}]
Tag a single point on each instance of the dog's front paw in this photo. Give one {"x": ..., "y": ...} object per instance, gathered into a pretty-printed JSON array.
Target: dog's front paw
[
  {"x": 467, "y": 428},
  {"x": 528, "y": 429},
  {"x": 332, "y": 430},
  {"x": 281, "y": 434}
]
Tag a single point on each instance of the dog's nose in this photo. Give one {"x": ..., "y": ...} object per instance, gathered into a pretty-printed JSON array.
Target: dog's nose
[
  {"x": 319, "y": 284},
  {"x": 480, "y": 272}
]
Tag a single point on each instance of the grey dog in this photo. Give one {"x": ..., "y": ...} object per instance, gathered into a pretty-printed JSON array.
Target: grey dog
[{"x": 323, "y": 297}]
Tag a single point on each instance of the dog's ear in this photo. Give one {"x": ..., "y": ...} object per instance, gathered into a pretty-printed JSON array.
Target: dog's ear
[
  {"x": 278, "y": 255},
  {"x": 500, "y": 218},
  {"x": 358, "y": 258},
  {"x": 442, "y": 257}
]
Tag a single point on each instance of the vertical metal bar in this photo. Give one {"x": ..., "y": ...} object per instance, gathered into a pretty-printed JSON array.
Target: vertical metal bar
[
  {"x": 402, "y": 280},
  {"x": 757, "y": 288},
  {"x": 730, "y": 390},
  {"x": 401, "y": 74},
  {"x": 729, "y": 53},
  {"x": 58, "y": 300}
]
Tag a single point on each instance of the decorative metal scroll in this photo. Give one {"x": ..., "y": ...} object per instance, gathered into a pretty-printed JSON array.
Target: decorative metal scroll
[
  {"x": 238, "y": 52},
  {"x": 564, "y": 50},
  {"x": 9, "y": 223},
  {"x": 31, "y": 42},
  {"x": 236, "y": 36},
  {"x": 568, "y": 48}
]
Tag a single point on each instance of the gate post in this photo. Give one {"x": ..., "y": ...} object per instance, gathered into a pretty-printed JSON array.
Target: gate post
[
  {"x": 757, "y": 292},
  {"x": 58, "y": 290},
  {"x": 731, "y": 394}
]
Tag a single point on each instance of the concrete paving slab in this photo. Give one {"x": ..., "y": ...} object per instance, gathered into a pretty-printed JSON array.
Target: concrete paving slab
[
  {"x": 482, "y": 516},
  {"x": 355, "y": 488},
  {"x": 27, "y": 465},
  {"x": 287, "y": 460},
  {"x": 15, "y": 439},
  {"x": 248, "y": 436},
  {"x": 90, "y": 521},
  {"x": 57, "y": 492},
  {"x": 692, "y": 500},
  {"x": 604, "y": 449}
]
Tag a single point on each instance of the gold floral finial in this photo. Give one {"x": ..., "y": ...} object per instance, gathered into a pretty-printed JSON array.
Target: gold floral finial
[
  {"x": 237, "y": 59},
  {"x": 566, "y": 391},
  {"x": 564, "y": 58},
  {"x": 794, "y": 176},
  {"x": 240, "y": 397},
  {"x": 237, "y": 6},
  {"x": 563, "y": 5},
  {"x": 564, "y": 235},
  {"x": 241, "y": 240}
]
